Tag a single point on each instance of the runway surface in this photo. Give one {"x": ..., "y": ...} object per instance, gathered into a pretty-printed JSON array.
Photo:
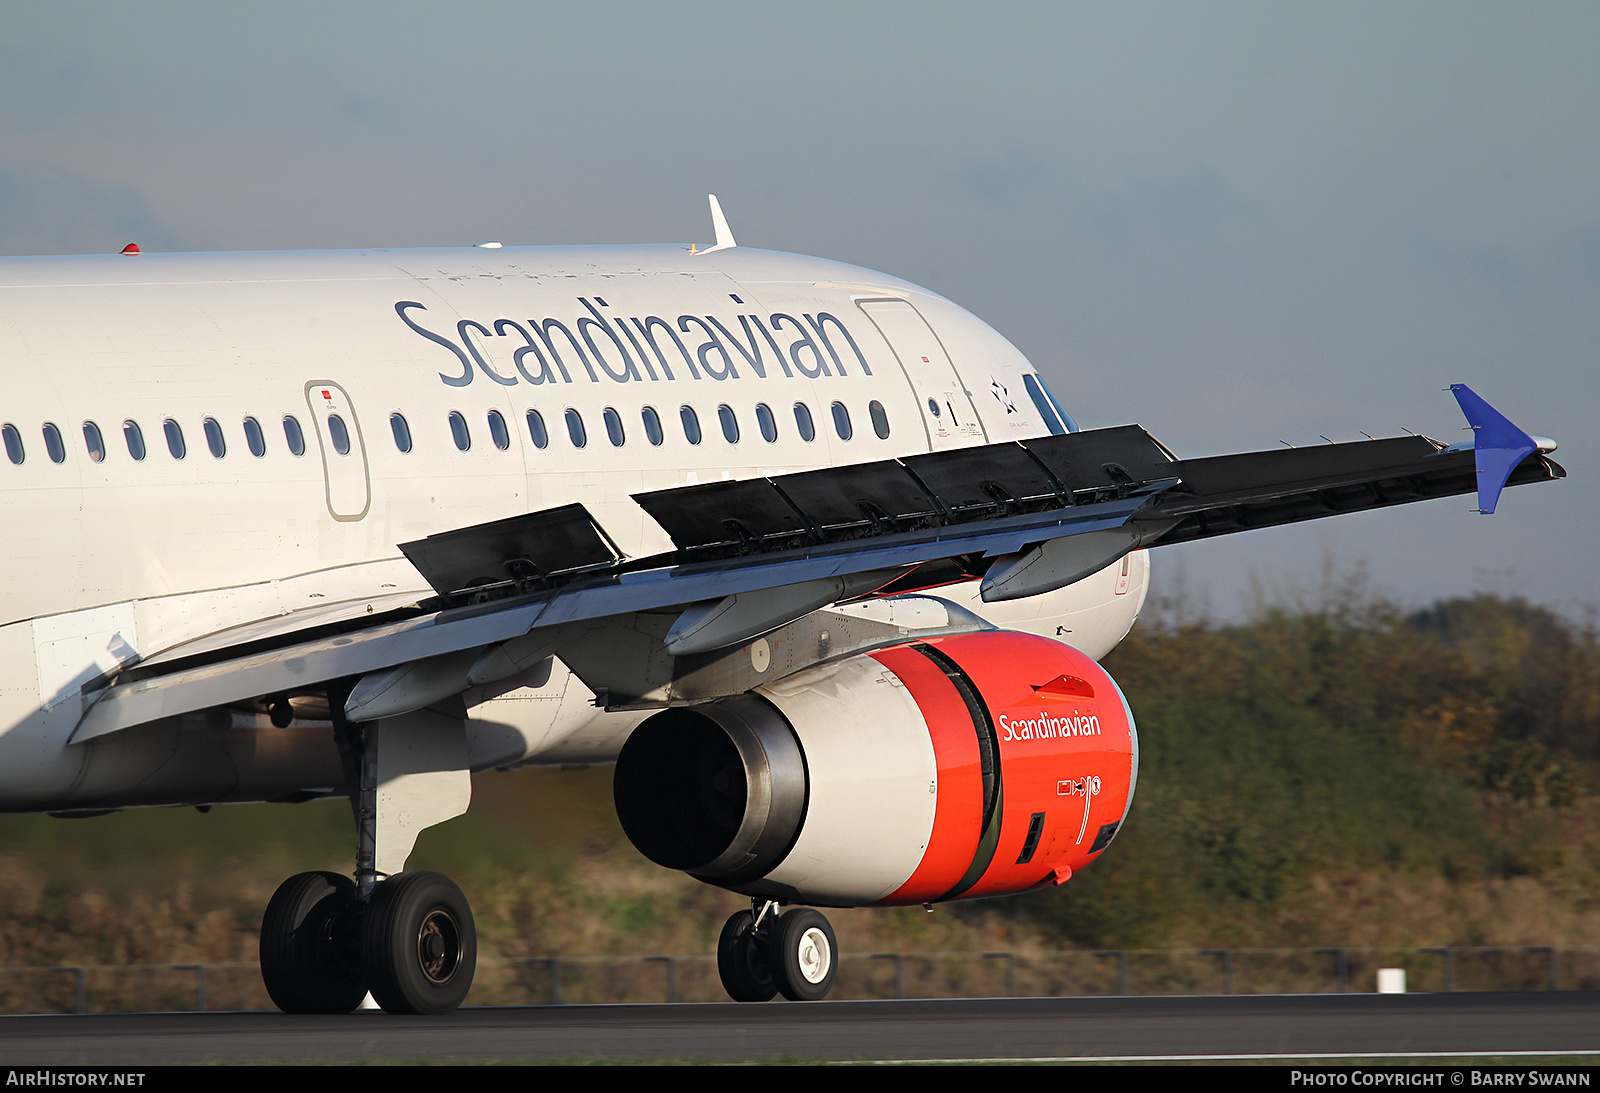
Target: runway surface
[{"x": 1012, "y": 1028}]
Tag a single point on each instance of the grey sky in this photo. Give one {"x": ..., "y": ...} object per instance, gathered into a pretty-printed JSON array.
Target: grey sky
[{"x": 1235, "y": 224}]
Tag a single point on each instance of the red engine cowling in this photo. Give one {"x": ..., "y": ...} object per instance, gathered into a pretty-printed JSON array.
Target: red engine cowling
[{"x": 958, "y": 767}]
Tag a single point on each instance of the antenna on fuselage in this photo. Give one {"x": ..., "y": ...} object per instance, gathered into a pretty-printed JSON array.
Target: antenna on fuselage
[{"x": 719, "y": 225}]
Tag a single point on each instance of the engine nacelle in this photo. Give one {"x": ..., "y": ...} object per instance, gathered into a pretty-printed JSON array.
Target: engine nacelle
[{"x": 953, "y": 768}]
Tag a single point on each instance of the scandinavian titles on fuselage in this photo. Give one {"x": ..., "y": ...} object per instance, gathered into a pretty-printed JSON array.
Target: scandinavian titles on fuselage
[
  {"x": 622, "y": 349},
  {"x": 1046, "y": 727}
]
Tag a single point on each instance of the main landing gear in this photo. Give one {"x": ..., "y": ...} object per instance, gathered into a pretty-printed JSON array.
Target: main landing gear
[
  {"x": 412, "y": 944},
  {"x": 409, "y": 939},
  {"x": 762, "y": 953}
]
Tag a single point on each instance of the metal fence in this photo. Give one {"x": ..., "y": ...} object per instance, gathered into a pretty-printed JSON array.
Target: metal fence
[{"x": 571, "y": 980}]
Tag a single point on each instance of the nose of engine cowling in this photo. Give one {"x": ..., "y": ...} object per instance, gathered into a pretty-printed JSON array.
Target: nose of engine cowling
[{"x": 1068, "y": 757}]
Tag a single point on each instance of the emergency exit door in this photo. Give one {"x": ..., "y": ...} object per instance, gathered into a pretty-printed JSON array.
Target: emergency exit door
[{"x": 344, "y": 452}]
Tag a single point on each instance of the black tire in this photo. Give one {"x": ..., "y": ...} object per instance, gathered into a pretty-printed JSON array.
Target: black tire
[
  {"x": 742, "y": 961},
  {"x": 311, "y": 947},
  {"x": 419, "y": 947},
  {"x": 804, "y": 955}
]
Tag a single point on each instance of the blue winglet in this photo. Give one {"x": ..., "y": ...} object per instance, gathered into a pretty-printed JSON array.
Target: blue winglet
[{"x": 1498, "y": 446}]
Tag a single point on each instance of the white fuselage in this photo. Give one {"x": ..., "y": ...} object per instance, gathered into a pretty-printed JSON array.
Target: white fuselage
[{"x": 117, "y": 558}]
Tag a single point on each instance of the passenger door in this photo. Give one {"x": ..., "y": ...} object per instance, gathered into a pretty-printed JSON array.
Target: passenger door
[{"x": 947, "y": 411}]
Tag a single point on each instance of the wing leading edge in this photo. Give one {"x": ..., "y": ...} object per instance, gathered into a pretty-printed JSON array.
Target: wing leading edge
[{"x": 1025, "y": 517}]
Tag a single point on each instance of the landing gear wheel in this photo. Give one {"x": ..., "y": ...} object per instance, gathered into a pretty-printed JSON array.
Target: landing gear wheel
[
  {"x": 419, "y": 948},
  {"x": 311, "y": 946},
  {"x": 804, "y": 955},
  {"x": 742, "y": 961},
  {"x": 418, "y": 944}
]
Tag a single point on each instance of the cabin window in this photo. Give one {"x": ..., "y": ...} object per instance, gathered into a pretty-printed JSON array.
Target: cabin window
[
  {"x": 536, "y": 429},
  {"x": 575, "y": 430},
  {"x": 339, "y": 433},
  {"x": 880, "y": 419},
  {"x": 614, "y": 427},
  {"x": 93, "y": 442},
  {"x": 841, "y": 421},
  {"x": 294, "y": 435},
  {"x": 730, "y": 424},
  {"x": 175, "y": 443},
  {"x": 458, "y": 430},
  {"x": 498, "y": 431},
  {"x": 769, "y": 425},
  {"x": 401, "y": 430},
  {"x": 652, "y": 426},
  {"x": 134, "y": 436},
  {"x": 691, "y": 424},
  {"x": 53, "y": 444},
  {"x": 803, "y": 422},
  {"x": 254, "y": 437},
  {"x": 214, "y": 441},
  {"x": 13, "y": 440}
]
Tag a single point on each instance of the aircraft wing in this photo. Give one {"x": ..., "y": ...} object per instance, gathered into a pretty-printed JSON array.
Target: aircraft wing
[{"x": 751, "y": 555}]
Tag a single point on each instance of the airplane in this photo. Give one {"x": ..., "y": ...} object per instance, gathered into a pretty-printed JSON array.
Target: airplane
[{"x": 813, "y": 555}]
